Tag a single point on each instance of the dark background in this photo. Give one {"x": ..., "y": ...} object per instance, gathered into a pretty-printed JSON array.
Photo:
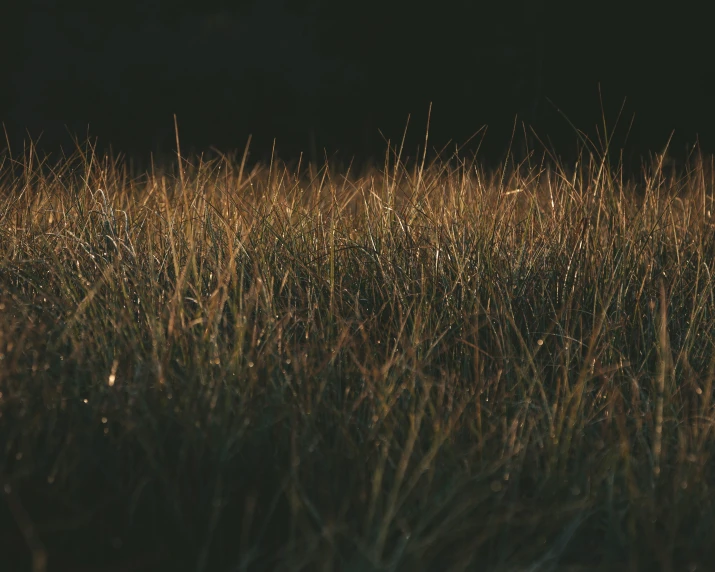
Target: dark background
[{"x": 327, "y": 74}]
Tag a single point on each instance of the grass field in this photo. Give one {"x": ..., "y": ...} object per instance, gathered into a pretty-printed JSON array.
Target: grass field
[{"x": 424, "y": 366}]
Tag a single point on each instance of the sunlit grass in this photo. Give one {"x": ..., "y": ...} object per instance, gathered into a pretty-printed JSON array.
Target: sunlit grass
[{"x": 422, "y": 367}]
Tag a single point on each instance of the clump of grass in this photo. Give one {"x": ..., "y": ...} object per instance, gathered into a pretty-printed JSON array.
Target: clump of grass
[{"x": 427, "y": 366}]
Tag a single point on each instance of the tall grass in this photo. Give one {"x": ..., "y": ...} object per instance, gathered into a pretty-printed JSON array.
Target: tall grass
[{"x": 421, "y": 367}]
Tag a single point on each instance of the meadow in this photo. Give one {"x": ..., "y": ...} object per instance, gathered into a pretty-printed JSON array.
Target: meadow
[{"x": 426, "y": 365}]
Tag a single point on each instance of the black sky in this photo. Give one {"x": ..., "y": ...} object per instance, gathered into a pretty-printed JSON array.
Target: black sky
[{"x": 320, "y": 73}]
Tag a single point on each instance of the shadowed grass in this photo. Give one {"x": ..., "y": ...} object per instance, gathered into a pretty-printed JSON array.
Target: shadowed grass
[{"x": 416, "y": 368}]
